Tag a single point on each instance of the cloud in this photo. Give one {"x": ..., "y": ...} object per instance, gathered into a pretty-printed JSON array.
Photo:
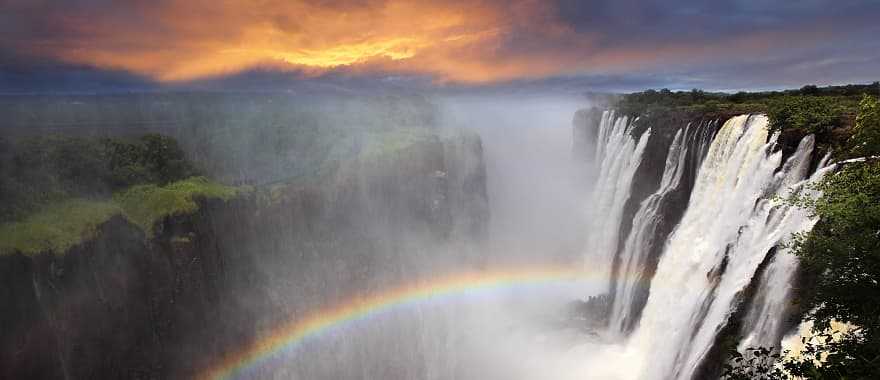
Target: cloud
[
  {"x": 23, "y": 74},
  {"x": 182, "y": 40},
  {"x": 449, "y": 41}
]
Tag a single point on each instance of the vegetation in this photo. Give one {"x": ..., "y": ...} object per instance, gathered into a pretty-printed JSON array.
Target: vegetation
[
  {"x": 866, "y": 134},
  {"x": 387, "y": 142},
  {"x": 758, "y": 363},
  {"x": 144, "y": 205},
  {"x": 811, "y": 114},
  {"x": 49, "y": 155},
  {"x": 810, "y": 107},
  {"x": 56, "y": 227},
  {"x": 56, "y": 190},
  {"x": 232, "y": 137},
  {"x": 59, "y": 226},
  {"x": 840, "y": 258},
  {"x": 37, "y": 171}
]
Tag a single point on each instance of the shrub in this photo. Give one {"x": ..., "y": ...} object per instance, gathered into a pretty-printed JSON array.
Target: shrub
[
  {"x": 144, "y": 205},
  {"x": 809, "y": 114},
  {"x": 841, "y": 253},
  {"x": 866, "y": 137},
  {"x": 41, "y": 170},
  {"x": 58, "y": 226},
  {"x": 55, "y": 228}
]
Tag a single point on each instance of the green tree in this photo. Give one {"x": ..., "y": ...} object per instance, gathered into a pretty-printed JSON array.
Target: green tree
[
  {"x": 810, "y": 89},
  {"x": 757, "y": 363},
  {"x": 841, "y": 254},
  {"x": 38, "y": 170},
  {"x": 811, "y": 114},
  {"x": 840, "y": 258},
  {"x": 866, "y": 132}
]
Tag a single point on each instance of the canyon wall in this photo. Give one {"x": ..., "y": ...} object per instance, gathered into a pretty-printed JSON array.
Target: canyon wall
[{"x": 125, "y": 304}]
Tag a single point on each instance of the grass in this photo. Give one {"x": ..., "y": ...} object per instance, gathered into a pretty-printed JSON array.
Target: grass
[
  {"x": 63, "y": 224},
  {"x": 144, "y": 205},
  {"x": 383, "y": 143},
  {"x": 57, "y": 227}
]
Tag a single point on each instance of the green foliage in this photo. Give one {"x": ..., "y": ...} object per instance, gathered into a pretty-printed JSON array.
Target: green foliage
[
  {"x": 837, "y": 355},
  {"x": 151, "y": 159},
  {"x": 806, "y": 113},
  {"x": 839, "y": 101},
  {"x": 827, "y": 354},
  {"x": 145, "y": 205},
  {"x": 758, "y": 363},
  {"x": 57, "y": 227},
  {"x": 840, "y": 259},
  {"x": 61, "y": 225},
  {"x": 42, "y": 170},
  {"x": 866, "y": 137},
  {"x": 383, "y": 143},
  {"x": 841, "y": 253}
]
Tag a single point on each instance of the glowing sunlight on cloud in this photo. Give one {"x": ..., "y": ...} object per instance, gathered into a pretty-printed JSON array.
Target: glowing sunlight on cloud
[{"x": 190, "y": 40}]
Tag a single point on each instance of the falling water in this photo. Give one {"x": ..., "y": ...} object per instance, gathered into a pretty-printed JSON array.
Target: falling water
[
  {"x": 764, "y": 325},
  {"x": 651, "y": 224},
  {"x": 730, "y": 225},
  {"x": 619, "y": 156},
  {"x": 644, "y": 229}
]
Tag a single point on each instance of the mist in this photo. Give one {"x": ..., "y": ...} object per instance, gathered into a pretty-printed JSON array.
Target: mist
[
  {"x": 538, "y": 205},
  {"x": 538, "y": 208},
  {"x": 340, "y": 197},
  {"x": 398, "y": 190},
  {"x": 395, "y": 236}
]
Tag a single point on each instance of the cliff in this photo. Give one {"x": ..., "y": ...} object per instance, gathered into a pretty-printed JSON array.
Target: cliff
[
  {"x": 831, "y": 126},
  {"x": 128, "y": 303},
  {"x": 663, "y": 123}
]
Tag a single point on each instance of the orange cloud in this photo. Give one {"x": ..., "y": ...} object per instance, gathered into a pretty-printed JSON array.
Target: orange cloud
[
  {"x": 472, "y": 41},
  {"x": 182, "y": 39}
]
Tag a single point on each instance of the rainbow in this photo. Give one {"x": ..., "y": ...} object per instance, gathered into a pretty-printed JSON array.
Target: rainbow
[{"x": 292, "y": 333}]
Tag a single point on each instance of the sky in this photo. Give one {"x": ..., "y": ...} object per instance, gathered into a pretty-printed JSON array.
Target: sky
[{"x": 603, "y": 45}]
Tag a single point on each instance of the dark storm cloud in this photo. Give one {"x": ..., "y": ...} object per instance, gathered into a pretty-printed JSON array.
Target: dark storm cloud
[
  {"x": 691, "y": 20},
  {"x": 26, "y": 74}
]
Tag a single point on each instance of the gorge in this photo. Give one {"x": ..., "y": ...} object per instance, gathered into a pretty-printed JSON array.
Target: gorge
[{"x": 447, "y": 237}]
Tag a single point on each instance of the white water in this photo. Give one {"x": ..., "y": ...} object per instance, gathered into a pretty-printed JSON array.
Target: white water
[
  {"x": 619, "y": 156},
  {"x": 711, "y": 257},
  {"x": 765, "y": 322},
  {"x": 644, "y": 226}
]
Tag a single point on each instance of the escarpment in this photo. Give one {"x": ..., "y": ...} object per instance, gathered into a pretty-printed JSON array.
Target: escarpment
[
  {"x": 700, "y": 227},
  {"x": 133, "y": 304}
]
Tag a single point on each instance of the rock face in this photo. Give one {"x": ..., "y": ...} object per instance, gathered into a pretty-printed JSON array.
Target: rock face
[
  {"x": 668, "y": 210},
  {"x": 585, "y": 126},
  {"x": 647, "y": 180},
  {"x": 125, "y": 305},
  {"x": 663, "y": 126}
]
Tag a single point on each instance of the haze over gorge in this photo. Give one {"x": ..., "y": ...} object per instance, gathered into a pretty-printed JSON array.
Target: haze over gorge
[{"x": 474, "y": 190}]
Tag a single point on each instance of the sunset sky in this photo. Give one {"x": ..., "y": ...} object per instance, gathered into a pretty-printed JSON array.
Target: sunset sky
[{"x": 604, "y": 44}]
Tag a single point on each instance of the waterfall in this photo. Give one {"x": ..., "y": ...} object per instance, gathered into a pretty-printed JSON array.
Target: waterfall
[
  {"x": 645, "y": 222},
  {"x": 730, "y": 225},
  {"x": 651, "y": 224},
  {"x": 618, "y": 156},
  {"x": 764, "y": 325}
]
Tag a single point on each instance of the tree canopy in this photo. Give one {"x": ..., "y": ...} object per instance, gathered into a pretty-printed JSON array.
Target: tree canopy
[
  {"x": 840, "y": 259},
  {"x": 38, "y": 170}
]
